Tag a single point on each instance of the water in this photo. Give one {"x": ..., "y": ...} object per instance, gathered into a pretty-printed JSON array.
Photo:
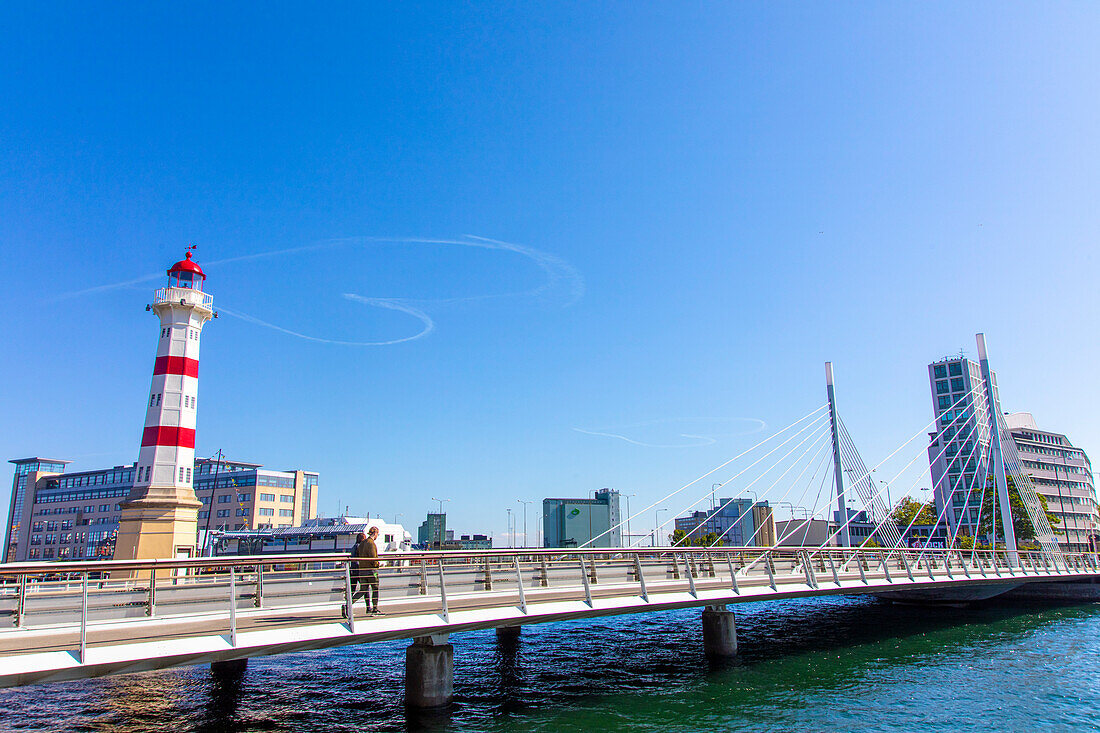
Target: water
[{"x": 819, "y": 664}]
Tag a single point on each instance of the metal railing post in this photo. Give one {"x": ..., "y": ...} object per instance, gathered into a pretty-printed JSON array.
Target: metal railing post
[
  {"x": 21, "y": 608},
  {"x": 83, "y": 617},
  {"x": 151, "y": 607},
  {"x": 349, "y": 605},
  {"x": 691, "y": 577},
  {"x": 832, "y": 567},
  {"x": 771, "y": 570},
  {"x": 519, "y": 582},
  {"x": 862, "y": 572},
  {"x": 908, "y": 570},
  {"x": 232, "y": 606},
  {"x": 733, "y": 574},
  {"x": 587, "y": 587},
  {"x": 806, "y": 569},
  {"x": 928, "y": 568},
  {"x": 886, "y": 567},
  {"x": 641, "y": 578},
  {"x": 443, "y": 593},
  {"x": 259, "y": 600},
  {"x": 544, "y": 579}
]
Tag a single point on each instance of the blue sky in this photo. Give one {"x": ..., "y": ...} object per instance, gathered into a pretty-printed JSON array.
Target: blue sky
[{"x": 702, "y": 203}]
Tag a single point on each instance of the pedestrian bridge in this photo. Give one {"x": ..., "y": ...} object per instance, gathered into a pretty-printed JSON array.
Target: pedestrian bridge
[{"x": 65, "y": 621}]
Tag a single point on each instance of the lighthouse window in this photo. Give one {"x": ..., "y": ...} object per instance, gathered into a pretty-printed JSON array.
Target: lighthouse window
[
  {"x": 158, "y": 399},
  {"x": 189, "y": 475},
  {"x": 152, "y": 399},
  {"x": 181, "y": 473}
]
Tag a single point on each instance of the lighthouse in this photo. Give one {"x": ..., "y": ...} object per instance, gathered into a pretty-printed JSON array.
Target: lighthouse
[{"x": 159, "y": 516}]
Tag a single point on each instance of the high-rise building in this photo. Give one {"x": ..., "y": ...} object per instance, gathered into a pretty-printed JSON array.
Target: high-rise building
[
  {"x": 159, "y": 517},
  {"x": 432, "y": 532},
  {"x": 960, "y": 442},
  {"x": 576, "y": 522},
  {"x": 740, "y": 523},
  {"x": 71, "y": 516},
  {"x": 1062, "y": 474}
]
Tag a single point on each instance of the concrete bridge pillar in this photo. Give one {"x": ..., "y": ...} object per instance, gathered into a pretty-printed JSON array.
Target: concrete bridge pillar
[
  {"x": 230, "y": 666},
  {"x": 509, "y": 633},
  {"x": 719, "y": 632},
  {"x": 429, "y": 672}
]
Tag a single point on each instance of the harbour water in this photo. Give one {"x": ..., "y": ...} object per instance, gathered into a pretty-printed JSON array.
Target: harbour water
[{"x": 820, "y": 664}]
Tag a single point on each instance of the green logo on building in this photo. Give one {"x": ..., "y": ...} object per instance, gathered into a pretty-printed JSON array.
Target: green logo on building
[{"x": 575, "y": 512}]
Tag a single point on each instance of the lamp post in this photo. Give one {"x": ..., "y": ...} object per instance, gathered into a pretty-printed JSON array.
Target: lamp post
[
  {"x": 395, "y": 516},
  {"x": 511, "y": 532},
  {"x": 627, "y": 497},
  {"x": 525, "y": 503},
  {"x": 713, "y": 503},
  {"x": 657, "y": 527}
]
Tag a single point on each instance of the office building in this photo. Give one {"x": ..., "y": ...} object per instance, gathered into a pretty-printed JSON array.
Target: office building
[
  {"x": 1062, "y": 474},
  {"x": 739, "y": 523},
  {"x": 432, "y": 534},
  {"x": 474, "y": 542},
  {"x": 960, "y": 443},
  {"x": 70, "y": 516},
  {"x": 576, "y": 522}
]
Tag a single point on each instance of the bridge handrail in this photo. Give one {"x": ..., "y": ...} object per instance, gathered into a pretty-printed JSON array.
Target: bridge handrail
[{"x": 230, "y": 561}]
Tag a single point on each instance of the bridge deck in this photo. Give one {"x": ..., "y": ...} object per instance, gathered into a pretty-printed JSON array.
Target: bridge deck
[{"x": 55, "y": 628}]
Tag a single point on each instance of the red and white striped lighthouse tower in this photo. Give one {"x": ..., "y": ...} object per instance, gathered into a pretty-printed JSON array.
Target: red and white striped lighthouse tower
[{"x": 159, "y": 516}]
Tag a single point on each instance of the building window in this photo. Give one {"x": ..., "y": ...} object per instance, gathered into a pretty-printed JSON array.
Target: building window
[
  {"x": 34, "y": 553},
  {"x": 244, "y": 497},
  {"x": 286, "y": 499},
  {"x": 181, "y": 473},
  {"x": 158, "y": 398},
  {"x": 224, "y": 499},
  {"x": 265, "y": 512},
  {"x": 940, "y": 371},
  {"x": 956, "y": 369},
  {"x": 242, "y": 511},
  {"x": 267, "y": 497},
  {"x": 942, "y": 387},
  {"x": 152, "y": 399},
  {"x": 286, "y": 512},
  {"x": 957, "y": 384},
  {"x": 223, "y": 513},
  {"x": 189, "y": 475}
]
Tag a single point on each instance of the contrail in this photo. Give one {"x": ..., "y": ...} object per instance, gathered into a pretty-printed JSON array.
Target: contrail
[
  {"x": 702, "y": 440},
  {"x": 561, "y": 277},
  {"x": 391, "y": 303}
]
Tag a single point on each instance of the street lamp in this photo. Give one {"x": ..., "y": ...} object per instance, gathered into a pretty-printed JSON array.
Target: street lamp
[
  {"x": 511, "y": 532},
  {"x": 627, "y": 497},
  {"x": 440, "y": 503},
  {"x": 525, "y": 503},
  {"x": 395, "y": 516},
  {"x": 657, "y": 527}
]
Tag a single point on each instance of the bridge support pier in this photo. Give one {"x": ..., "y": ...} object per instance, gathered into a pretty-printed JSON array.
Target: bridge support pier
[
  {"x": 230, "y": 665},
  {"x": 429, "y": 672},
  {"x": 509, "y": 633},
  {"x": 719, "y": 632}
]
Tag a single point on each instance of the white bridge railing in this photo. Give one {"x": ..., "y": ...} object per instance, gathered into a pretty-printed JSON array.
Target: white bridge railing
[{"x": 82, "y": 598}]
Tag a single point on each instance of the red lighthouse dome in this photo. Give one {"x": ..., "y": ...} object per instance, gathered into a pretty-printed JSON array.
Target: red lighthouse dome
[{"x": 186, "y": 274}]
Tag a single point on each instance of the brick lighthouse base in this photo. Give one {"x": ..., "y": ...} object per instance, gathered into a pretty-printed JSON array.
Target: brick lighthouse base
[{"x": 161, "y": 524}]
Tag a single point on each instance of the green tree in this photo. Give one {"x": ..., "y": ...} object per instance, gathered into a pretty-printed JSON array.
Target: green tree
[
  {"x": 1021, "y": 522},
  {"x": 908, "y": 508}
]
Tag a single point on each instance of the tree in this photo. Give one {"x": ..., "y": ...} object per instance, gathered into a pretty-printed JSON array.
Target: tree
[
  {"x": 908, "y": 508},
  {"x": 1021, "y": 522},
  {"x": 679, "y": 538}
]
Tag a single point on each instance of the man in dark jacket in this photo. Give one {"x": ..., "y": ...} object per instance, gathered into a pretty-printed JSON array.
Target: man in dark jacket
[
  {"x": 354, "y": 572},
  {"x": 366, "y": 554}
]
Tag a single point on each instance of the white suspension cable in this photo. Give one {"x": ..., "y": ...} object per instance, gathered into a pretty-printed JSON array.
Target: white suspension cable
[{"x": 708, "y": 473}]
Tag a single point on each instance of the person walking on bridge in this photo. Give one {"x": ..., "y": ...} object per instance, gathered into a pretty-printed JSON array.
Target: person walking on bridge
[{"x": 366, "y": 554}]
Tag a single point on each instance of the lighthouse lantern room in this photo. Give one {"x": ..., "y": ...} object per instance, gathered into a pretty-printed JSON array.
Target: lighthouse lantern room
[{"x": 159, "y": 517}]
